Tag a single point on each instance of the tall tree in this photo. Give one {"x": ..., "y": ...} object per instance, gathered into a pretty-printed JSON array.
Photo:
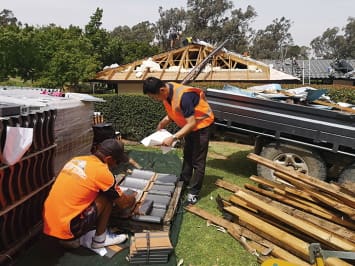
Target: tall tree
[
  {"x": 237, "y": 29},
  {"x": 298, "y": 52},
  {"x": 329, "y": 45},
  {"x": 29, "y": 62},
  {"x": 136, "y": 42},
  {"x": 272, "y": 43},
  {"x": 174, "y": 17},
  {"x": 71, "y": 62},
  {"x": 99, "y": 37},
  {"x": 210, "y": 21},
  {"x": 350, "y": 38},
  {"x": 8, "y": 52},
  {"x": 7, "y": 18},
  {"x": 206, "y": 18},
  {"x": 141, "y": 32}
]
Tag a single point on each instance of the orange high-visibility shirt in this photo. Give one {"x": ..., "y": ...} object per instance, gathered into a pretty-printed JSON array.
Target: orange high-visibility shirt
[
  {"x": 203, "y": 112},
  {"x": 75, "y": 188}
]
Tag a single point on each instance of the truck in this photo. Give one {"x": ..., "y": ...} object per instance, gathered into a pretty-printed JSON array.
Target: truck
[{"x": 319, "y": 142}]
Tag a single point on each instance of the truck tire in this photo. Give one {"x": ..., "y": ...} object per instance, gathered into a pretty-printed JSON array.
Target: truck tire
[
  {"x": 347, "y": 175},
  {"x": 306, "y": 161}
]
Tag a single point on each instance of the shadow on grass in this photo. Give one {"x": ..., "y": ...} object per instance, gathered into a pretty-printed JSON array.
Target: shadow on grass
[
  {"x": 237, "y": 163},
  {"x": 236, "y": 168}
]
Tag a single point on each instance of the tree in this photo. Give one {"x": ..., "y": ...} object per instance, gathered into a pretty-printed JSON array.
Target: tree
[
  {"x": 7, "y": 18},
  {"x": 8, "y": 52},
  {"x": 206, "y": 19},
  {"x": 141, "y": 32},
  {"x": 209, "y": 21},
  {"x": 134, "y": 51},
  {"x": 298, "y": 52},
  {"x": 72, "y": 62},
  {"x": 99, "y": 38},
  {"x": 238, "y": 29},
  {"x": 173, "y": 17},
  {"x": 350, "y": 38},
  {"x": 272, "y": 43},
  {"x": 136, "y": 42},
  {"x": 327, "y": 45}
]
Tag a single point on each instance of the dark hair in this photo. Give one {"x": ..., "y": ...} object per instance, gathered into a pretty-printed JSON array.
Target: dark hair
[
  {"x": 152, "y": 85},
  {"x": 114, "y": 148}
]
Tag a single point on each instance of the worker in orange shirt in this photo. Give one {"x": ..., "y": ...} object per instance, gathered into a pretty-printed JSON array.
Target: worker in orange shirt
[
  {"x": 188, "y": 108},
  {"x": 82, "y": 197}
]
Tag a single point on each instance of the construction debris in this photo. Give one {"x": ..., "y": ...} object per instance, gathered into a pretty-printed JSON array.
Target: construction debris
[{"x": 282, "y": 220}]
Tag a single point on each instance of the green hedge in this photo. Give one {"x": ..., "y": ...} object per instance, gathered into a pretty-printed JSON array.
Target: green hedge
[{"x": 135, "y": 116}]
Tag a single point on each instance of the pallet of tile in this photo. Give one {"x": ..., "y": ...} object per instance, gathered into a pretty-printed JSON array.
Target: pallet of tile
[
  {"x": 160, "y": 217},
  {"x": 150, "y": 247}
]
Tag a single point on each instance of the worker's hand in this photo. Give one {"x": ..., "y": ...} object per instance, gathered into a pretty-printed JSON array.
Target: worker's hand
[
  {"x": 169, "y": 141},
  {"x": 159, "y": 127},
  {"x": 126, "y": 201},
  {"x": 163, "y": 123},
  {"x": 134, "y": 164}
]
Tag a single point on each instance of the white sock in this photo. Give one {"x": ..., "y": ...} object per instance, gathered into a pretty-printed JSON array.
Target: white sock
[{"x": 100, "y": 238}]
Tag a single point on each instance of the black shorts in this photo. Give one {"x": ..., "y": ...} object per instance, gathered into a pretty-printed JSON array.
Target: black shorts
[
  {"x": 173, "y": 36},
  {"x": 85, "y": 221}
]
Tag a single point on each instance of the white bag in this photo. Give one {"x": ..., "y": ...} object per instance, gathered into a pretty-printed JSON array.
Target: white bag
[{"x": 18, "y": 141}]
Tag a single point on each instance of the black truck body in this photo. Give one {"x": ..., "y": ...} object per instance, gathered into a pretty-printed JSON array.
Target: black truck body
[{"x": 327, "y": 135}]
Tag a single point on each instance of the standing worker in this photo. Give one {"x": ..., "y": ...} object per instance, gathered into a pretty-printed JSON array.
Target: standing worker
[
  {"x": 174, "y": 36},
  {"x": 83, "y": 195},
  {"x": 189, "y": 109}
]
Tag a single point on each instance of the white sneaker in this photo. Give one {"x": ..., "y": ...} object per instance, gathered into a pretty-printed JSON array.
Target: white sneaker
[
  {"x": 192, "y": 199},
  {"x": 111, "y": 239}
]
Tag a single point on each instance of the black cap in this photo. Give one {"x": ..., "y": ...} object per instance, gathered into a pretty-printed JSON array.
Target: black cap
[{"x": 114, "y": 148}]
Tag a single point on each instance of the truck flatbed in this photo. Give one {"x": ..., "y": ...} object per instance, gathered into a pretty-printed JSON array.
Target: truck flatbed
[{"x": 327, "y": 131}]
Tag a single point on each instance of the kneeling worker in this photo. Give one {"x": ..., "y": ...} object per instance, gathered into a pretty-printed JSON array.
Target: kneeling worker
[{"x": 83, "y": 195}]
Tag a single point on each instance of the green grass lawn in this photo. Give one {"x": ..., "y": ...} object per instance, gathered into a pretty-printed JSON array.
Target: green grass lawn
[{"x": 199, "y": 244}]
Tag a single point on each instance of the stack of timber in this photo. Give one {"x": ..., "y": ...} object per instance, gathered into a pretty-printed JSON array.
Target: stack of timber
[{"x": 281, "y": 220}]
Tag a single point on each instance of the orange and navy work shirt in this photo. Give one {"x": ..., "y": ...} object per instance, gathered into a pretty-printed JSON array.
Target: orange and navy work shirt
[
  {"x": 75, "y": 188},
  {"x": 203, "y": 112}
]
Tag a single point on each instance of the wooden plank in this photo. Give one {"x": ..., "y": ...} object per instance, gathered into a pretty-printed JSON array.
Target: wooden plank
[
  {"x": 282, "y": 188},
  {"x": 315, "y": 208},
  {"x": 235, "y": 230},
  {"x": 173, "y": 204},
  {"x": 314, "y": 182},
  {"x": 327, "y": 225},
  {"x": 321, "y": 212},
  {"x": 303, "y": 226},
  {"x": 242, "y": 203},
  {"x": 339, "y": 187},
  {"x": 328, "y": 200},
  {"x": 277, "y": 236},
  {"x": 336, "y": 106},
  {"x": 226, "y": 185}
]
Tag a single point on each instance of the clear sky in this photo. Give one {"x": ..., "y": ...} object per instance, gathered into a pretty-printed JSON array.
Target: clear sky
[{"x": 310, "y": 17}]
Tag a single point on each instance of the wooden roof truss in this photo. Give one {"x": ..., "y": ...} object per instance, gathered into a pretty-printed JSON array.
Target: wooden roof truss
[{"x": 175, "y": 64}]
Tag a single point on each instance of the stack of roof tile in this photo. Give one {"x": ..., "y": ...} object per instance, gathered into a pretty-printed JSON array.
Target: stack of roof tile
[
  {"x": 155, "y": 191},
  {"x": 150, "y": 248}
]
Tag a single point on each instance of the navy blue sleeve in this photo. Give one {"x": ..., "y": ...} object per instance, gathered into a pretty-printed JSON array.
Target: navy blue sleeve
[
  {"x": 188, "y": 102},
  {"x": 112, "y": 193}
]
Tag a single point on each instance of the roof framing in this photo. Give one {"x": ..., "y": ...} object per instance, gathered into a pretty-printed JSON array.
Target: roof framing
[{"x": 174, "y": 65}]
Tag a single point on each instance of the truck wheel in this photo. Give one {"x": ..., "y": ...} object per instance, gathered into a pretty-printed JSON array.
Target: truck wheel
[
  {"x": 303, "y": 160},
  {"x": 347, "y": 176}
]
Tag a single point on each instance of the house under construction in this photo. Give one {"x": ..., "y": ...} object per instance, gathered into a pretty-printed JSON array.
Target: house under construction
[{"x": 175, "y": 65}]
